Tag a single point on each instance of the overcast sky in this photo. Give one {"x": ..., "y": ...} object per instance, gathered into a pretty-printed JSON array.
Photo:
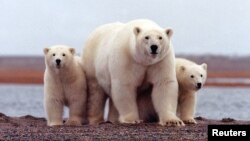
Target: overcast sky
[{"x": 200, "y": 26}]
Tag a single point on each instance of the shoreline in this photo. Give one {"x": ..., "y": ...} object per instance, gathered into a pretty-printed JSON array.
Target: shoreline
[
  {"x": 30, "y": 69},
  {"x": 34, "y": 128}
]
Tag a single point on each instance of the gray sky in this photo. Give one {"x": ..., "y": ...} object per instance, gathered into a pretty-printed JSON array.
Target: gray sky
[{"x": 200, "y": 26}]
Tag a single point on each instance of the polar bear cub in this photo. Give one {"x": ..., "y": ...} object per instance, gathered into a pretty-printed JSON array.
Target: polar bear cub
[
  {"x": 191, "y": 77},
  {"x": 64, "y": 84},
  {"x": 119, "y": 58}
]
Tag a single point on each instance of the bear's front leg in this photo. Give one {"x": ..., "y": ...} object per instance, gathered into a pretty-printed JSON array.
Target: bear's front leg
[
  {"x": 186, "y": 107},
  {"x": 75, "y": 115},
  {"x": 54, "y": 110},
  {"x": 164, "y": 96},
  {"x": 124, "y": 98}
]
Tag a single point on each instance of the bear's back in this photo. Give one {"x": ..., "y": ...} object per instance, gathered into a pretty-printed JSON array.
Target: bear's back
[{"x": 183, "y": 62}]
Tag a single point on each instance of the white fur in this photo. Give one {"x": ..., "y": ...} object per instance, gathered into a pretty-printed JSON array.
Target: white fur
[
  {"x": 118, "y": 59},
  {"x": 64, "y": 84},
  {"x": 189, "y": 74},
  {"x": 187, "y": 93}
]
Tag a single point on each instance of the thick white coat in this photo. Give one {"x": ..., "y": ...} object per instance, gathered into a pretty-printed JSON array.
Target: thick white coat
[
  {"x": 64, "y": 85},
  {"x": 118, "y": 59}
]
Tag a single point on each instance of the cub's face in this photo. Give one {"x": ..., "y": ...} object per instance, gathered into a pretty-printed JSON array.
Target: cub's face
[
  {"x": 153, "y": 43},
  {"x": 193, "y": 77},
  {"x": 58, "y": 56}
]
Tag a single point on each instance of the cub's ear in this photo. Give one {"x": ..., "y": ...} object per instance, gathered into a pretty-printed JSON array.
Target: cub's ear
[
  {"x": 45, "y": 50},
  {"x": 169, "y": 32},
  {"x": 137, "y": 30},
  {"x": 72, "y": 50},
  {"x": 204, "y": 66},
  {"x": 182, "y": 68}
]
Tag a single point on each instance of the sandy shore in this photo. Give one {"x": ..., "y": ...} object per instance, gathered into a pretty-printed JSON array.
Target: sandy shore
[{"x": 33, "y": 128}]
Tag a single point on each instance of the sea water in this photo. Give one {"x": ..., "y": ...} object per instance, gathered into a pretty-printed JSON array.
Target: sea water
[{"x": 212, "y": 102}]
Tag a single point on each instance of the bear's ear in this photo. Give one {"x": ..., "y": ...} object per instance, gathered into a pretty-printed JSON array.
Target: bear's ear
[
  {"x": 169, "y": 32},
  {"x": 204, "y": 66},
  {"x": 137, "y": 30},
  {"x": 45, "y": 50},
  {"x": 182, "y": 68},
  {"x": 72, "y": 50}
]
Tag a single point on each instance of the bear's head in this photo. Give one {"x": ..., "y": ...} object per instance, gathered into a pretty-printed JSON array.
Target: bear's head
[
  {"x": 152, "y": 43},
  {"x": 58, "y": 56},
  {"x": 192, "y": 77}
]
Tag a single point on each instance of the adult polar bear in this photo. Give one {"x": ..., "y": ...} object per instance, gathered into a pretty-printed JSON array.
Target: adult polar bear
[{"x": 118, "y": 58}]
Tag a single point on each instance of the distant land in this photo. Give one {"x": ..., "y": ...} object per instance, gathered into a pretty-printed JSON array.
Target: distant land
[
  {"x": 217, "y": 63},
  {"x": 30, "y": 69}
]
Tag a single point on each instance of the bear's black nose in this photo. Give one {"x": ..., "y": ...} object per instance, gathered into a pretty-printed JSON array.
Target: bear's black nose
[
  {"x": 153, "y": 49},
  {"x": 58, "y": 61},
  {"x": 199, "y": 85}
]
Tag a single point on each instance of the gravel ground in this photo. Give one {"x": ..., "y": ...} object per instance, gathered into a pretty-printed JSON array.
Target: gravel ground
[{"x": 33, "y": 128}]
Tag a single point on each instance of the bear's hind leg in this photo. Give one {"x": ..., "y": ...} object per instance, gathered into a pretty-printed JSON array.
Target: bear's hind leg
[
  {"x": 96, "y": 102},
  {"x": 113, "y": 113}
]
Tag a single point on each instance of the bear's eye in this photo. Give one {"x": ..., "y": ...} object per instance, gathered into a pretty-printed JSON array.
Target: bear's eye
[
  {"x": 63, "y": 54},
  {"x": 201, "y": 75},
  {"x": 160, "y": 38},
  {"x": 54, "y": 54},
  {"x": 192, "y": 76},
  {"x": 147, "y": 37}
]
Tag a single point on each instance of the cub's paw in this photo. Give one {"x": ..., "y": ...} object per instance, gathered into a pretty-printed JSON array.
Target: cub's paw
[
  {"x": 73, "y": 123},
  {"x": 189, "y": 121},
  {"x": 171, "y": 122},
  {"x": 53, "y": 124}
]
